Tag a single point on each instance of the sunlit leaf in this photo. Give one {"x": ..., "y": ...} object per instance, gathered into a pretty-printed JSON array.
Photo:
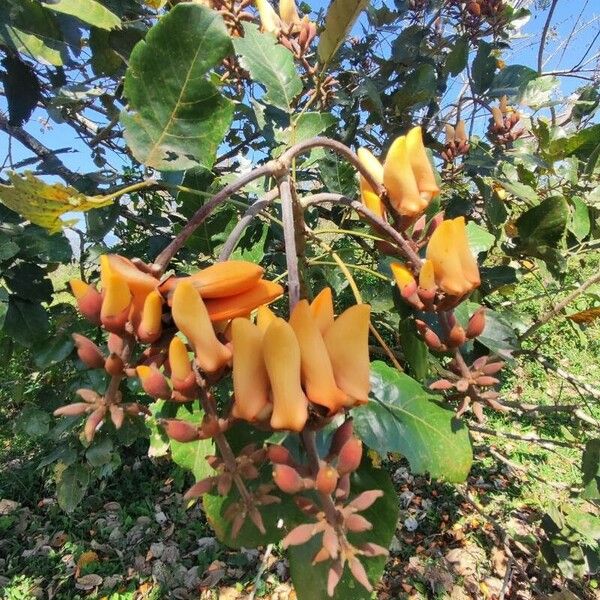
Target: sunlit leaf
[
  {"x": 340, "y": 18},
  {"x": 88, "y": 11},
  {"x": 43, "y": 204}
]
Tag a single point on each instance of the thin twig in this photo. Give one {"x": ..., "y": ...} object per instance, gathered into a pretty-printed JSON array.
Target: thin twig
[
  {"x": 540, "y": 58},
  {"x": 289, "y": 236},
  {"x": 544, "y": 442}
]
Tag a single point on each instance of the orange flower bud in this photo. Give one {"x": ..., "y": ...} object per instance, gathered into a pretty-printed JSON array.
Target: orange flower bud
[
  {"x": 450, "y": 133},
  {"x": 139, "y": 283},
  {"x": 421, "y": 165},
  {"x": 240, "y": 305},
  {"x": 192, "y": 319},
  {"x": 92, "y": 423},
  {"x": 400, "y": 182},
  {"x": 287, "y": 479},
  {"x": 317, "y": 372},
  {"x": 155, "y": 384},
  {"x": 288, "y": 12},
  {"x": 347, "y": 342},
  {"x": 116, "y": 303},
  {"x": 369, "y": 197},
  {"x": 461, "y": 133},
  {"x": 404, "y": 279},
  {"x": 269, "y": 20},
  {"x": 150, "y": 327},
  {"x": 264, "y": 317},
  {"x": 180, "y": 431},
  {"x": 115, "y": 343},
  {"x": 281, "y": 354},
  {"x": 89, "y": 354},
  {"x": 227, "y": 278},
  {"x": 89, "y": 300},
  {"x": 250, "y": 378},
  {"x": 327, "y": 479},
  {"x": 182, "y": 376},
  {"x": 455, "y": 269},
  {"x": 114, "y": 364},
  {"x": 350, "y": 456},
  {"x": 497, "y": 116},
  {"x": 322, "y": 309}
]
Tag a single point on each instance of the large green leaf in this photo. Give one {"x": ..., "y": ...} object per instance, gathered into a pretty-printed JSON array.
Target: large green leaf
[
  {"x": 484, "y": 67},
  {"x": 269, "y": 64},
  {"x": 404, "y": 418},
  {"x": 512, "y": 81},
  {"x": 176, "y": 117},
  {"x": 458, "y": 57},
  {"x": 88, "y": 11},
  {"x": 580, "y": 144},
  {"x": 418, "y": 89},
  {"x": 26, "y": 322},
  {"x": 590, "y": 466},
  {"x": 71, "y": 485},
  {"x": 340, "y": 18},
  {"x": 310, "y": 583},
  {"x": 29, "y": 28},
  {"x": 544, "y": 224}
]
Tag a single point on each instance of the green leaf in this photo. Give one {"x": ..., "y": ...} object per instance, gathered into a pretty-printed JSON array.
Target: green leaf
[
  {"x": 544, "y": 224},
  {"x": 176, "y": 117},
  {"x": 480, "y": 239},
  {"x": 404, "y": 418},
  {"x": 71, "y": 486},
  {"x": 338, "y": 175},
  {"x": 34, "y": 31},
  {"x": 269, "y": 64},
  {"x": 33, "y": 422},
  {"x": 53, "y": 350},
  {"x": 311, "y": 124},
  {"x": 457, "y": 59},
  {"x": 419, "y": 87},
  {"x": 340, "y": 18},
  {"x": 414, "y": 349},
  {"x": 310, "y": 583},
  {"x": 511, "y": 81},
  {"x": 483, "y": 68},
  {"x": 25, "y": 322},
  {"x": 100, "y": 452},
  {"x": 580, "y": 224},
  {"x": 580, "y": 144},
  {"x": 192, "y": 455},
  {"x": 88, "y": 11},
  {"x": 537, "y": 92},
  {"x": 590, "y": 466}
]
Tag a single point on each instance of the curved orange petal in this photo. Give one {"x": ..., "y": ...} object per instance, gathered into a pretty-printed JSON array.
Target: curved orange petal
[
  {"x": 420, "y": 163},
  {"x": 192, "y": 319},
  {"x": 264, "y": 317},
  {"x": 150, "y": 326},
  {"x": 317, "y": 372},
  {"x": 281, "y": 354},
  {"x": 115, "y": 304},
  {"x": 239, "y": 305},
  {"x": 227, "y": 278},
  {"x": 250, "y": 378},
  {"x": 322, "y": 309},
  {"x": 347, "y": 342},
  {"x": 88, "y": 298}
]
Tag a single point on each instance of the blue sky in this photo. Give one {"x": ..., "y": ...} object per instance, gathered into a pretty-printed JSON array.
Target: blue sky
[{"x": 56, "y": 136}]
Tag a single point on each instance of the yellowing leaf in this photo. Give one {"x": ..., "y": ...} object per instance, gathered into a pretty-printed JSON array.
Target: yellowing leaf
[
  {"x": 43, "y": 204},
  {"x": 585, "y": 316},
  {"x": 340, "y": 18}
]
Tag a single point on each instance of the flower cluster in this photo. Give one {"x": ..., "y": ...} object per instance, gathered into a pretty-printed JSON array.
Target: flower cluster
[{"x": 282, "y": 369}]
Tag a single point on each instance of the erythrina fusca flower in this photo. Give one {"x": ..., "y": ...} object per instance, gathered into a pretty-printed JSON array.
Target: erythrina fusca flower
[
  {"x": 454, "y": 267},
  {"x": 408, "y": 175},
  {"x": 369, "y": 197},
  {"x": 89, "y": 300}
]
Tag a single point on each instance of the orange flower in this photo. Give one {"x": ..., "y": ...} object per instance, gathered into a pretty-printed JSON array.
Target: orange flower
[
  {"x": 250, "y": 378},
  {"x": 317, "y": 372},
  {"x": 455, "y": 269},
  {"x": 408, "y": 175},
  {"x": 427, "y": 276},
  {"x": 192, "y": 319},
  {"x": 182, "y": 376},
  {"x": 89, "y": 300},
  {"x": 288, "y": 12},
  {"x": 150, "y": 327},
  {"x": 153, "y": 382},
  {"x": 369, "y": 197},
  {"x": 264, "y": 317},
  {"x": 347, "y": 342},
  {"x": 404, "y": 279},
  {"x": 269, "y": 20},
  {"x": 240, "y": 305},
  {"x": 281, "y": 354},
  {"x": 227, "y": 278},
  {"x": 116, "y": 303},
  {"x": 322, "y": 309}
]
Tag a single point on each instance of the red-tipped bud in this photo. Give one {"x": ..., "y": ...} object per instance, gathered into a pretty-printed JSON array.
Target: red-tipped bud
[
  {"x": 287, "y": 479},
  {"x": 476, "y": 324},
  {"x": 150, "y": 326},
  {"x": 350, "y": 456},
  {"x": 200, "y": 488},
  {"x": 365, "y": 500},
  {"x": 92, "y": 423},
  {"x": 279, "y": 455},
  {"x": 441, "y": 385},
  {"x": 89, "y": 300},
  {"x": 327, "y": 479},
  {"x": 89, "y": 354},
  {"x": 456, "y": 337},
  {"x": 114, "y": 365},
  {"x": 117, "y": 415},
  {"x": 180, "y": 431},
  {"x": 486, "y": 380},
  {"x": 155, "y": 384},
  {"x": 492, "y": 368},
  {"x": 429, "y": 336},
  {"x": 72, "y": 410},
  {"x": 342, "y": 434},
  {"x": 357, "y": 523}
]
